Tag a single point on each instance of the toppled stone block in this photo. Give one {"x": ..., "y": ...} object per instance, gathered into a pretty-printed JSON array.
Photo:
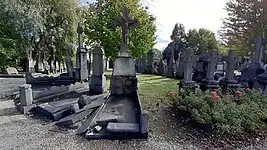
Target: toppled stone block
[
  {"x": 85, "y": 100},
  {"x": 123, "y": 127}
]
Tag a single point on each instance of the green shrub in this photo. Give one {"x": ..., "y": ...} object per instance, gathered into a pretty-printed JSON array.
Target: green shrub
[{"x": 230, "y": 114}]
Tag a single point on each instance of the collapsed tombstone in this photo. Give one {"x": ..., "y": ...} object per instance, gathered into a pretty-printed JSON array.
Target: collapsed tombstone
[
  {"x": 98, "y": 79},
  {"x": 229, "y": 82},
  {"x": 121, "y": 115},
  {"x": 189, "y": 60},
  {"x": 209, "y": 82},
  {"x": 250, "y": 72}
]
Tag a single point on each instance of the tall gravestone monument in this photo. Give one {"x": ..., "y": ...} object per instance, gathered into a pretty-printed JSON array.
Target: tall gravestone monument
[
  {"x": 81, "y": 58},
  {"x": 250, "y": 72},
  {"x": 229, "y": 81},
  {"x": 124, "y": 101},
  {"x": 209, "y": 82},
  {"x": 98, "y": 79}
]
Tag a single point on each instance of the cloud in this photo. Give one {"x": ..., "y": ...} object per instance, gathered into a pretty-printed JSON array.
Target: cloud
[{"x": 191, "y": 13}]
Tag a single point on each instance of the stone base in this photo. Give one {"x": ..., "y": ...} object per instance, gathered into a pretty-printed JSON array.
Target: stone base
[
  {"x": 26, "y": 109},
  {"x": 229, "y": 85},
  {"x": 208, "y": 84},
  {"x": 97, "y": 84},
  {"x": 123, "y": 85}
]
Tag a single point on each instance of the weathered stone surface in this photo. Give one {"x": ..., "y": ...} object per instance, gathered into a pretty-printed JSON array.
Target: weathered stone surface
[
  {"x": 123, "y": 127},
  {"x": 124, "y": 67},
  {"x": 123, "y": 85},
  {"x": 97, "y": 84},
  {"x": 26, "y": 97},
  {"x": 90, "y": 120},
  {"x": 26, "y": 109},
  {"x": 56, "y": 110},
  {"x": 104, "y": 118},
  {"x": 85, "y": 100},
  {"x": 144, "y": 122},
  {"x": 74, "y": 118}
]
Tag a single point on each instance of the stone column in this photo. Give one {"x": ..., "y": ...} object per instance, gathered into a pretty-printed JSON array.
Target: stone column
[
  {"x": 98, "y": 80},
  {"x": 26, "y": 98},
  {"x": 150, "y": 60},
  {"x": 170, "y": 70}
]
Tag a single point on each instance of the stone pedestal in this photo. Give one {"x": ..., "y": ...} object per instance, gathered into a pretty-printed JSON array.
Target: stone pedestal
[
  {"x": 26, "y": 98},
  {"x": 123, "y": 85},
  {"x": 229, "y": 85},
  {"x": 82, "y": 67}
]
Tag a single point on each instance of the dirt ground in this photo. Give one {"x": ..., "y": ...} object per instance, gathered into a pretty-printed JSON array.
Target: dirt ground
[{"x": 22, "y": 132}]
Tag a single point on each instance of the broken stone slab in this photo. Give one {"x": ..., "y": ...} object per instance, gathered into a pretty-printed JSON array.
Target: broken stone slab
[
  {"x": 123, "y": 127},
  {"x": 54, "y": 112},
  {"x": 85, "y": 100},
  {"x": 105, "y": 118},
  {"x": 75, "y": 108},
  {"x": 96, "y": 103},
  {"x": 90, "y": 121},
  {"x": 74, "y": 118}
]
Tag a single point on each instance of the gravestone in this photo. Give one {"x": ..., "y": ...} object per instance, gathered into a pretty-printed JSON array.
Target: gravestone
[
  {"x": 98, "y": 79},
  {"x": 81, "y": 58},
  {"x": 212, "y": 58},
  {"x": 171, "y": 63},
  {"x": 124, "y": 97},
  {"x": 189, "y": 59},
  {"x": 229, "y": 81},
  {"x": 142, "y": 67},
  {"x": 253, "y": 69},
  {"x": 150, "y": 60},
  {"x": 179, "y": 66},
  {"x": 68, "y": 61},
  {"x": 161, "y": 69},
  {"x": 11, "y": 70}
]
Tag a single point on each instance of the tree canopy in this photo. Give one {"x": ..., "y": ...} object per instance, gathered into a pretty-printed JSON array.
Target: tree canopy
[
  {"x": 246, "y": 19},
  {"x": 99, "y": 30}
]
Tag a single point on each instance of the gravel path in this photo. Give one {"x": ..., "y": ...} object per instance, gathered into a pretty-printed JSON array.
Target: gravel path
[{"x": 20, "y": 132}]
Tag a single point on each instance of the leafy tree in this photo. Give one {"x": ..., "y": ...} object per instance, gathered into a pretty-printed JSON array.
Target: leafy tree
[
  {"x": 99, "y": 30},
  {"x": 246, "y": 20},
  {"x": 178, "y": 33},
  {"x": 40, "y": 28},
  {"x": 202, "y": 40}
]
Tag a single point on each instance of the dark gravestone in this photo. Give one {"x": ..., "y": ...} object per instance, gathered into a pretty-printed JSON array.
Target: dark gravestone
[
  {"x": 252, "y": 70},
  {"x": 150, "y": 60},
  {"x": 179, "y": 66},
  {"x": 189, "y": 60},
  {"x": 212, "y": 58},
  {"x": 171, "y": 65},
  {"x": 161, "y": 69},
  {"x": 229, "y": 80},
  {"x": 98, "y": 79}
]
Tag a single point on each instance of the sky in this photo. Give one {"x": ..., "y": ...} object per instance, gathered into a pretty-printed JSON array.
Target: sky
[{"x": 193, "y": 14}]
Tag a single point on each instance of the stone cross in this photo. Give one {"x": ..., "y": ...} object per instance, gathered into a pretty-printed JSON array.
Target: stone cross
[
  {"x": 211, "y": 58},
  {"x": 189, "y": 59},
  {"x": 259, "y": 42},
  {"x": 80, "y": 36},
  {"x": 125, "y": 22},
  {"x": 231, "y": 60}
]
